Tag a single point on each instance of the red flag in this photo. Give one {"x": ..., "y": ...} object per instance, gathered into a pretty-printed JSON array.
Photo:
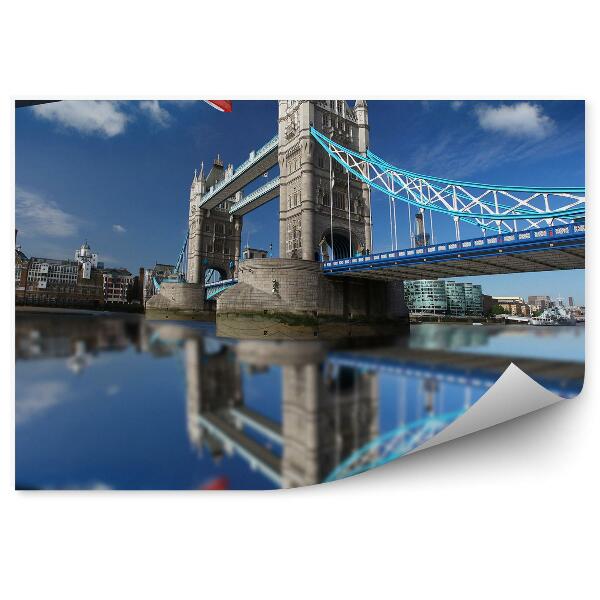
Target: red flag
[
  {"x": 222, "y": 105},
  {"x": 217, "y": 483}
]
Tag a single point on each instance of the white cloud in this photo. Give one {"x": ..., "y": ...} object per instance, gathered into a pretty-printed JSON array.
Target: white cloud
[
  {"x": 101, "y": 117},
  {"x": 521, "y": 119},
  {"x": 156, "y": 112},
  {"x": 119, "y": 229},
  {"x": 456, "y": 104},
  {"x": 467, "y": 153},
  {"x": 35, "y": 398},
  {"x": 35, "y": 215}
]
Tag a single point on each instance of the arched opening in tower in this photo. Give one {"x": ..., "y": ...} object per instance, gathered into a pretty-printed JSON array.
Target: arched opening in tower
[
  {"x": 213, "y": 274},
  {"x": 341, "y": 245}
]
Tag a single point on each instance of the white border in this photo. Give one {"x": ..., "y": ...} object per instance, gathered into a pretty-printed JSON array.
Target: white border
[{"x": 509, "y": 513}]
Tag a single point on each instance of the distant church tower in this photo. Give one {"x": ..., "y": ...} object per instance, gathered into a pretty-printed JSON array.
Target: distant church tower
[
  {"x": 305, "y": 194},
  {"x": 214, "y": 236}
]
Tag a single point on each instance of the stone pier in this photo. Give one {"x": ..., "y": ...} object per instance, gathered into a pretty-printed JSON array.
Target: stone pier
[
  {"x": 180, "y": 301},
  {"x": 278, "y": 297}
]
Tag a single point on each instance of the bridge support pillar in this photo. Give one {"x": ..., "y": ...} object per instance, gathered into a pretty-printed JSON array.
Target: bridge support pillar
[
  {"x": 277, "y": 297},
  {"x": 180, "y": 301}
]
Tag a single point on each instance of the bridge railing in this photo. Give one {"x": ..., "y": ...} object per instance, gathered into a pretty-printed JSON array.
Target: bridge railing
[
  {"x": 559, "y": 232},
  {"x": 220, "y": 283}
]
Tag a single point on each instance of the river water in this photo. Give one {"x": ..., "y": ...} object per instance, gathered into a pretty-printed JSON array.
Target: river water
[{"x": 112, "y": 401}]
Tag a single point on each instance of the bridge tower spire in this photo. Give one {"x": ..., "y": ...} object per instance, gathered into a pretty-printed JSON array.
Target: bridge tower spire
[
  {"x": 314, "y": 206},
  {"x": 214, "y": 242}
]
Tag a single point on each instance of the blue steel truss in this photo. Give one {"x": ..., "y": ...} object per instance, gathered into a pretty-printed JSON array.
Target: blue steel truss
[
  {"x": 392, "y": 445},
  {"x": 179, "y": 274},
  {"x": 490, "y": 207},
  {"x": 180, "y": 266}
]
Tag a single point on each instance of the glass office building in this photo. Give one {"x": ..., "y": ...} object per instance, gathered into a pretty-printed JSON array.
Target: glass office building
[
  {"x": 455, "y": 299},
  {"x": 425, "y": 296},
  {"x": 436, "y": 297},
  {"x": 473, "y": 299}
]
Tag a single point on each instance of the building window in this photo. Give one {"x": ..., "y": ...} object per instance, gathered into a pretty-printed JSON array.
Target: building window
[{"x": 339, "y": 200}]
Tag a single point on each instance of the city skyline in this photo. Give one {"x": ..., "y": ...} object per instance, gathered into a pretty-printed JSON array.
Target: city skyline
[{"x": 118, "y": 173}]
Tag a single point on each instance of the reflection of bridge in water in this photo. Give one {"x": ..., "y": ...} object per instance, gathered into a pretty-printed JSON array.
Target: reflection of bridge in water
[
  {"x": 331, "y": 409},
  {"x": 339, "y": 410}
]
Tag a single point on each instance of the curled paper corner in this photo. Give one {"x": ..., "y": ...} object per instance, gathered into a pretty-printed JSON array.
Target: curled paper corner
[{"x": 513, "y": 395}]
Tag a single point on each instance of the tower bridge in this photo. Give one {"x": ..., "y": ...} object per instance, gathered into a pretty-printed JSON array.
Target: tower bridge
[{"x": 327, "y": 267}]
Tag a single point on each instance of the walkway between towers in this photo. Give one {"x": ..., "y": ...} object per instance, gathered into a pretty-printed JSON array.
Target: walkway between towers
[{"x": 258, "y": 163}]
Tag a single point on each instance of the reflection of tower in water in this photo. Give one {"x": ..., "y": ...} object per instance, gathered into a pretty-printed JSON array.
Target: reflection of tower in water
[
  {"x": 327, "y": 411},
  {"x": 213, "y": 385}
]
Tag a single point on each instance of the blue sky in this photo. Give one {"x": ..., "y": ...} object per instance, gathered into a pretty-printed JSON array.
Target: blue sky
[{"x": 118, "y": 173}]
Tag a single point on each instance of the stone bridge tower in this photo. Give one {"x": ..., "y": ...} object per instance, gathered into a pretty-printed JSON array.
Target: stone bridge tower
[
  {"x": 306, "y": 193},
  {"x": 214, "y": 235}
]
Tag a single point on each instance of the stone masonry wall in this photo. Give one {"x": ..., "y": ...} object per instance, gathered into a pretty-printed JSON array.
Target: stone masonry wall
[
  {"x": 299, "y": 287},
  {"x": 178, "y": 296}
]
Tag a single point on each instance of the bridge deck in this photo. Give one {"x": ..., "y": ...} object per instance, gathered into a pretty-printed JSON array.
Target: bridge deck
[{"x": 548, "y": 249}]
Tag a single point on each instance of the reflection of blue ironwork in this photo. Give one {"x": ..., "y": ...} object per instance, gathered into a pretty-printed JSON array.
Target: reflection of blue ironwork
[
  {"x": 417, "y": 368},
  {"x": 392, "y": 445},
  {"x": 214, "y": 289},
  {"x": 455, "y": 371}
]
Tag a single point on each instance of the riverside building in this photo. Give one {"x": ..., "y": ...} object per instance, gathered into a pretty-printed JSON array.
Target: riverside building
[
  {"x": 437, "y": 297},
  {"x": 44, "y": 281},
  {"x": 117, "y": 284}
]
